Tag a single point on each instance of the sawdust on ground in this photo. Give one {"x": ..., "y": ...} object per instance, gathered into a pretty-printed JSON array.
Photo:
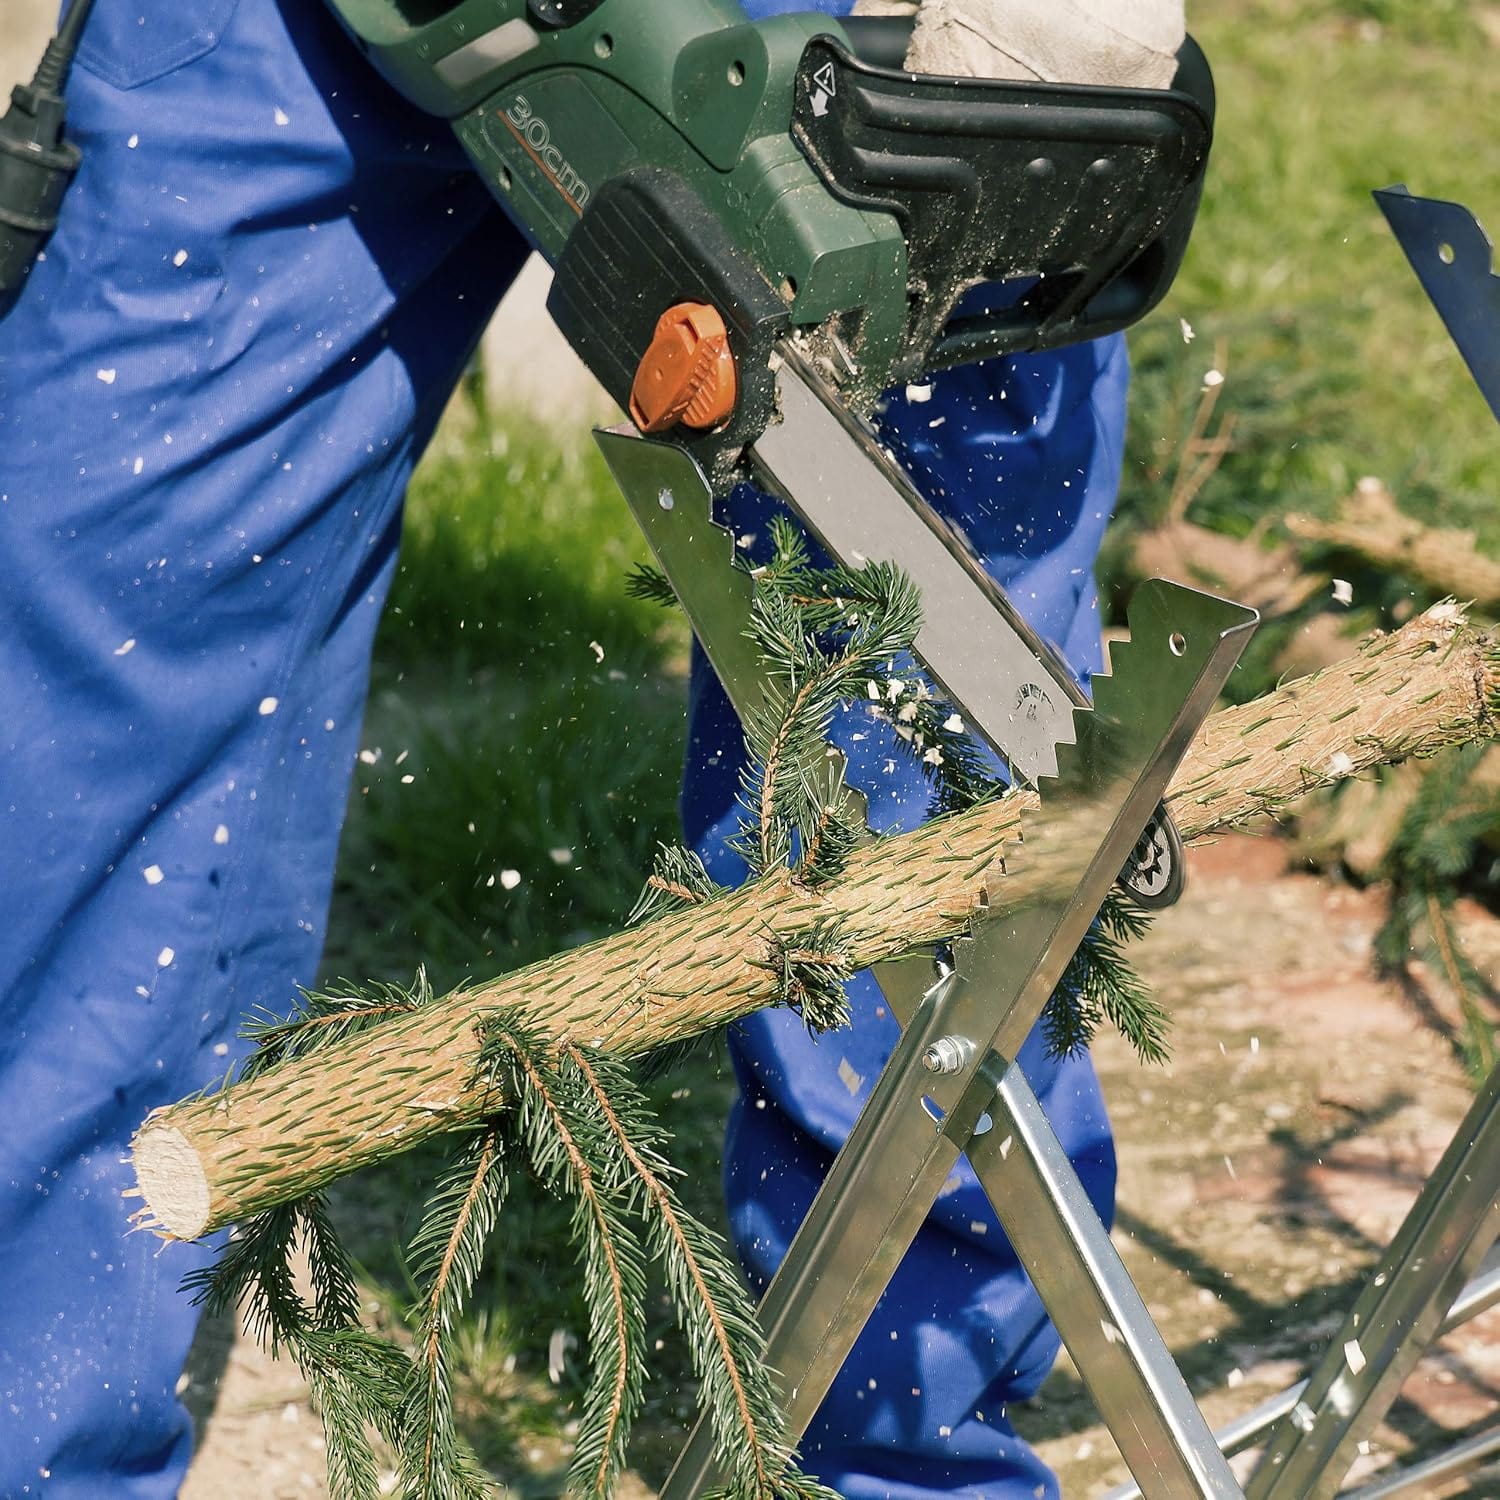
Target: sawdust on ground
[{"x": 1261, "y": 1174}]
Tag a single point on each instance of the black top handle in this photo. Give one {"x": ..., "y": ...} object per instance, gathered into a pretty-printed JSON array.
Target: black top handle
[{"x": 1075, "y": 202}]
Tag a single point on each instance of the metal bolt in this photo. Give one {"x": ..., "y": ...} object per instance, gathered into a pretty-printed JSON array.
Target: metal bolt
[{"x": 949, "y": 1054}]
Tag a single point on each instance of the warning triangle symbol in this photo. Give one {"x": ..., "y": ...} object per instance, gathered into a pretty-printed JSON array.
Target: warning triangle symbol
[{"x": 825, "y": 80}]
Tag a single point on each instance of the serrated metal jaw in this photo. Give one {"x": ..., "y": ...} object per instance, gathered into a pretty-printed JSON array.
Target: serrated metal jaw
[{"x": 1110, "y": 778}]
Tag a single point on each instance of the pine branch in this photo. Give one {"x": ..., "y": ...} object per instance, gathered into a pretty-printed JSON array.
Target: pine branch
[
  {"x": 1372, "y": 526},
  {"x": 652, "y": 585},
  {"x": 678, "y": 879},
  {"x": 827, "y": 596},
  {"x": 566, "y": 1155},
  {"x": 357, "y": 1382},
  {"x": 838, "y": 828},
  {"x": 773, "y": 845},
  {"x": 820, "y": 637},
  {"x": 211, "y": 1161},
  {"x": 335, "y": 1290},
  {"x": 813, "y": 967},
  {"x": 348, "y": 1456},
  {"x": 445, "y": 1257},
  {"x": 326, "y": 1017},
  {"x": 1441, "y": 834},
  {"x": 713, "y": 1307},
  {"x": 1100, "y": 984},
  {"x": 255, "y": 1270}
]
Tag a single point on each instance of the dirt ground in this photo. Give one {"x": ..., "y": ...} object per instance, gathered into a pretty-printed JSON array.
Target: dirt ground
[
  {"x": 1268, "y": 1166},
  {"x": 1261, "y": 1173}
]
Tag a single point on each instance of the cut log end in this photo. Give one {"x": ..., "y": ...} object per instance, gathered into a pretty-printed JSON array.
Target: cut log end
[{"x": 172, "y": 1181}]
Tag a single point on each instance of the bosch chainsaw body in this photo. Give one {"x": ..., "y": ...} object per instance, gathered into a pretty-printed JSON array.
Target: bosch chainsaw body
[{"x": 770, "y": 170}]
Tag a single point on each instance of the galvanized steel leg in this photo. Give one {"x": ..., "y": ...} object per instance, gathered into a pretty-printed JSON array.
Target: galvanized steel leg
[
  {"x": 1245, "y": 1431},
  {"x": 1473, "y": 1453},
  {"x": 1121, "y": 1356},
  {"x": 1447, "y": 1233}
]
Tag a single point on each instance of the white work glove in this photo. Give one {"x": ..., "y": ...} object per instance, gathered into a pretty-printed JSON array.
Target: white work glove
[{"x": 1127, "y": 43}]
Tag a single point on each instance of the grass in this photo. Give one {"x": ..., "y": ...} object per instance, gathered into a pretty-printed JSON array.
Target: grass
[
  {"x": 1337, "y": 366},
  {"x": 539, "y": 712},
  {"x": 523, "y": 738}
]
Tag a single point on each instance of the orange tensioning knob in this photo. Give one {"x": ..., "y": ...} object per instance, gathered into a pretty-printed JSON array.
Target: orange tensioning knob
[{"x": 687, "y": 374}]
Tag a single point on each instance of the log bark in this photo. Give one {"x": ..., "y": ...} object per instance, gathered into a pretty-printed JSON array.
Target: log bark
[
  {"x": 1272, "y": 582},
  {"x": 1370, "y": 525},
  {"x": 208, "y": 1162}
]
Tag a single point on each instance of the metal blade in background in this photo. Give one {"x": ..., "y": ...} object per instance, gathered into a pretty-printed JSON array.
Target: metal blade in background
[
  {"x": 1014, "y": 688},
  {"x": 898, "y": 1155},
  {"x": 1453, "y": 259}
]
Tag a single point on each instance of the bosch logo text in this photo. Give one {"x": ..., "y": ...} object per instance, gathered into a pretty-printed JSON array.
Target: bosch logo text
[{"x": 533, "y": 132}]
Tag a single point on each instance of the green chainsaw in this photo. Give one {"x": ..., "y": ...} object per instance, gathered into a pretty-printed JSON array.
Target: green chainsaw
[{"x": 756, "y": 228}]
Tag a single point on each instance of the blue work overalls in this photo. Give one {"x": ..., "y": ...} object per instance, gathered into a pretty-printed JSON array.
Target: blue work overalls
[{"x": 212, "y": 393}]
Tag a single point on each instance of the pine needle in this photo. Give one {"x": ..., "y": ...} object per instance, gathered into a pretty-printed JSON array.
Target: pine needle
[
  {"x": 445, "y": 1257},
  {"x": 813, "y": 967},
  {"x": 725, "y": 1342},
  {"x": 326, "y": 1017},
  {"x": 1100, "y": 984},
  {"x": 565, "y": 1152},
  {"x": 678, "y": 879},
  {"x": 356, "y": 1379},
  {"x": 1442, "y": 834},
  {"x": 821, "y": 636},
  {"x": 652, "y": 585}
]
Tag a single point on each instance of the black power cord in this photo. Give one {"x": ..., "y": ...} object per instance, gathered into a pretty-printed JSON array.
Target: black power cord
[{"x": 36, "y": 161}]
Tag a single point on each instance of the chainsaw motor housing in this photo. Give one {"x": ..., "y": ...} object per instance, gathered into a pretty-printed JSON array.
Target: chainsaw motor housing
[{"x": 786, "y": 172}]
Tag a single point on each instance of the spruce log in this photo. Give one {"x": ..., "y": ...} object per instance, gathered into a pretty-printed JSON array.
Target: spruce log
[
  {"x": 1370, "y": 525},
  {"x": 210, "y": 1161}
]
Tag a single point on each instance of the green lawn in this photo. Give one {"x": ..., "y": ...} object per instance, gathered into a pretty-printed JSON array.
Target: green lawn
[
  {"x": 521, "y": 720},
  {"x": 1337, "y": 366},
  {"x": 538, "y": 711}
]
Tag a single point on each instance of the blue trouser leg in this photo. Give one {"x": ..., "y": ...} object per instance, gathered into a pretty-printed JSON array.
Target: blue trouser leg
[
  {"x": 1025, "y": 457},
  {"x": 211, "y": 396}
]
